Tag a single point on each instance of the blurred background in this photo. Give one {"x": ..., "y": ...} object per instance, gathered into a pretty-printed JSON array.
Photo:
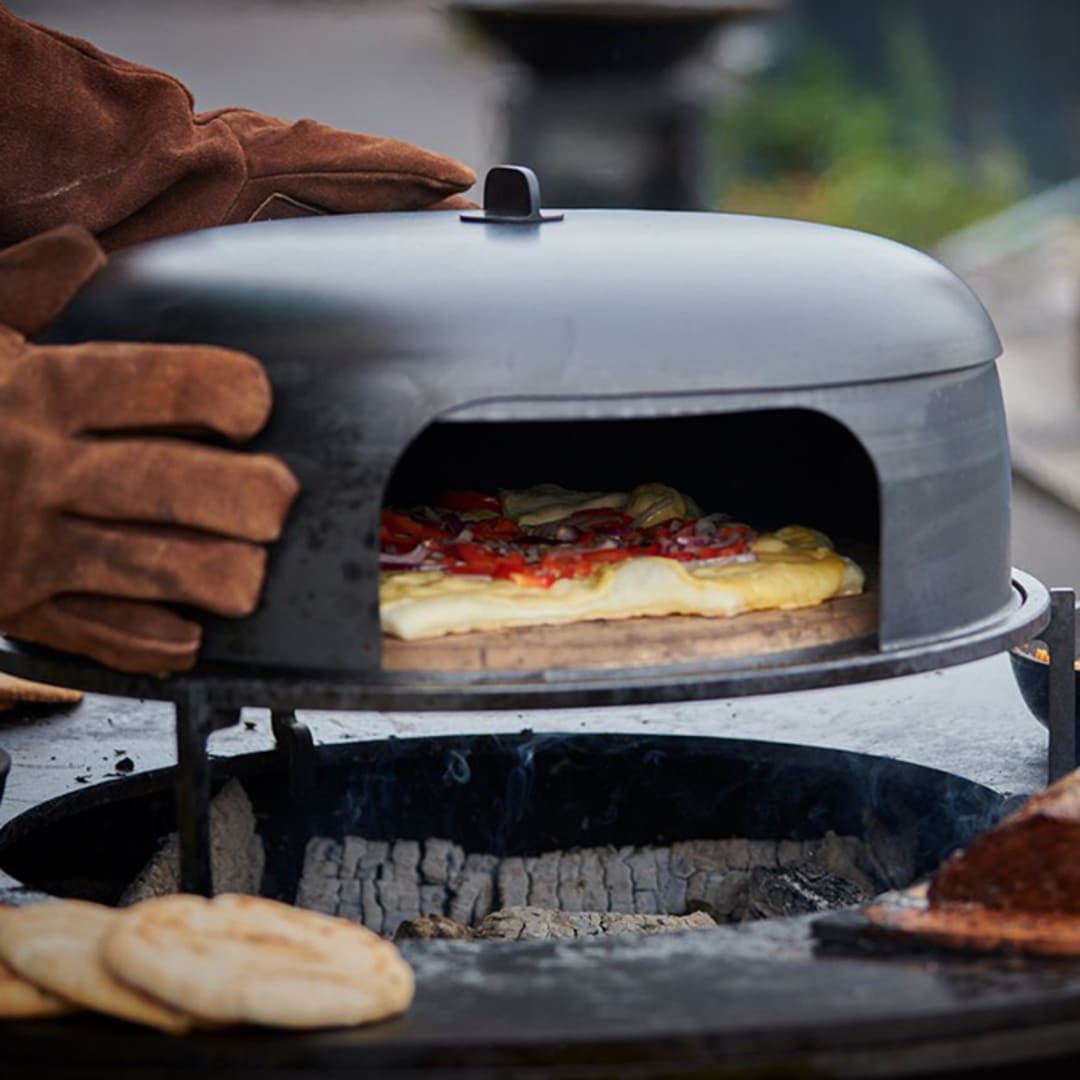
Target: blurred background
[{"x": 954, "y": 127}]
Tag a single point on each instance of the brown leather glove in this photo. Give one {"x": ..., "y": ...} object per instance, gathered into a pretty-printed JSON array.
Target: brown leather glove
[
  {"x": 103, "y": 524},
  {"x": 101, "y": 142}
]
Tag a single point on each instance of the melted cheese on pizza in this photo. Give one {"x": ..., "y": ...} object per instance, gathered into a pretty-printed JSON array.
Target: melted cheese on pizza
[
  {"x": 792, "y": 568},
  {"x": 650, "y": 504}
]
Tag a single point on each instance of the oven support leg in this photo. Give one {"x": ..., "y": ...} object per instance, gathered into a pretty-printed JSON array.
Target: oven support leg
[
  {"x": 1060, "y": 638},
  {"x": 297, "y": 747},
  {"x": 196, "y": 721}
]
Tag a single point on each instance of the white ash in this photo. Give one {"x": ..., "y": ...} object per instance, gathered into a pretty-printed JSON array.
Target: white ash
[
  {"x": 540, "y": 924},
  {"x": 236, "y": 852},
  {"x": 383, "y": 884}
]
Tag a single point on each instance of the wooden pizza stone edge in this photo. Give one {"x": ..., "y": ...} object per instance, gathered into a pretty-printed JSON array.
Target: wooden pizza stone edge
[{"x": 648, "y": 641}]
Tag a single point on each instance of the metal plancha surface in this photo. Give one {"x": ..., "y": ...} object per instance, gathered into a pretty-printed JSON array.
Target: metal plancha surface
[
  {"x": 374, "y": 327},
  {"x": 743, "y": 999},
  {"x": 1026, "y": 615}
]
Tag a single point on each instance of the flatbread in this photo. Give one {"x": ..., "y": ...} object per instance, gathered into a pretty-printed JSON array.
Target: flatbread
[
  {"x": 21, "y": 999},
  {"x": 57, "y": 946},
  {"x": 13, "y": 689},
  {"x": 242, "y": 959}
]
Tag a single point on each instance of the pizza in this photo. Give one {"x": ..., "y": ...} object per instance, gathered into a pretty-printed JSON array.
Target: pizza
[{"x": 549, "y": 555}]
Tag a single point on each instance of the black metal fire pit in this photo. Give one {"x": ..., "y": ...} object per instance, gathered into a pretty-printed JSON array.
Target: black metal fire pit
[
  {"x": 738, "y": 998},
  {"x": 517, "y": 795}
]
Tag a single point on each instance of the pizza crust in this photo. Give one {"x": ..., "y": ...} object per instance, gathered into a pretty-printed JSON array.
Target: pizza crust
[{"x": 793, "y": 567}]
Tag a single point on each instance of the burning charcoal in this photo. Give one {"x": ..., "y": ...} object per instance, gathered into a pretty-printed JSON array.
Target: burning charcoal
[
  {"x": 399, "y": 885},
  {"x": 388, "y": 884},
  {"x": 441, "y": 861},
  {"x": 571, "y": 893},
  {"x": 678, "y": 864},
  {"x": 405, "y": 855},
  {"x": 643, "y": 871},
  {"x": 799, "y": 892},
  {"x": 320, "y": 894},
  {"x": 839, "y": 857},
  {"x": 619, "y": 882},
  {"x": 646, "y": 902},
  {"x": 351, "y": 856},
  {"x": 729, "y": 897},
  {"x": 375, "y": 853},
  {"x": 434, "y": 900},
  {"x": 790, "y": 854},
  {"x": 701, "y": 855},
  {"x": 738, "y": 854},
  {"x": 455, "y": 861},
  {"x": 762, "y": 853},
  {"x": 594, "y": 895},
  {"x": 371, "y": 912},
  {"x": 543, "y": 879},
  {"x": 722, "y": 894},
  {"x": 512, "y": 883},
  {"x": 350, "y": 895},
  {"x": 472, "y": 893},
  {"x": 322, "y": 858},
  {"x": 672, "y": 890}
]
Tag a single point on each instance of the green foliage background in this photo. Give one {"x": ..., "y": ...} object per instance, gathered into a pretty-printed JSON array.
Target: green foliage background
[{"x": 810, "y": 143}]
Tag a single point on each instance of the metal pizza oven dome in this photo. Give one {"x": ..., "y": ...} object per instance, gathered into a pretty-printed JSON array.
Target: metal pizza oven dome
[
  {"x": 372, "y": 327},
  {"x": 634, "y": 301}
]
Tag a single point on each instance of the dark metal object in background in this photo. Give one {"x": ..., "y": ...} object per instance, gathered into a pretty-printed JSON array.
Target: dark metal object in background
[
  {"x": 1060, "y": 637},
  {"x": 602, "y": 113},
  {"x": 1050, "y": 689}
]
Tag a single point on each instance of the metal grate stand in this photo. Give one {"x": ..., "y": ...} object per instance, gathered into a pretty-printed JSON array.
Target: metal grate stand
[
  {"x": 196, "y": 720},
  {"x": 1060, "y": 638},
  {"x": 297, "y": 747}
]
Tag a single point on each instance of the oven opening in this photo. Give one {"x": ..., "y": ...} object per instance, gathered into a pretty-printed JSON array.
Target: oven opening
[
  {"x": 764, "y": 470},
  {"x": 768, "y": 468}
]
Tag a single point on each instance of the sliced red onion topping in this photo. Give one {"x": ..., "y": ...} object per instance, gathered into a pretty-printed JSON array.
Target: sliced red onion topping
[{"x": 405, "y": 559}]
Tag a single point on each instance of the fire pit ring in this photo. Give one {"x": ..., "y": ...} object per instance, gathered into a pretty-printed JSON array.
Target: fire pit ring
[{"x": 739, "y": 996}]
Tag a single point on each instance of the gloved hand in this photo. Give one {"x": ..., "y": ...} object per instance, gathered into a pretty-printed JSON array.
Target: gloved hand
[
  {"x": 105, "y": 519},
  {"x": 101, "y": 142}
]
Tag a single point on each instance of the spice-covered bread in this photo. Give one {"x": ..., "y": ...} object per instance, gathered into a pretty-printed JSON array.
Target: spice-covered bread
[{"x": 1026, "y": 863}]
